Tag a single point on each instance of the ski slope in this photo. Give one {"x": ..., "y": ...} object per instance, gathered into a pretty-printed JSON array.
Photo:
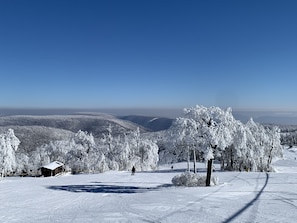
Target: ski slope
[{"x": 150, "y": 197}]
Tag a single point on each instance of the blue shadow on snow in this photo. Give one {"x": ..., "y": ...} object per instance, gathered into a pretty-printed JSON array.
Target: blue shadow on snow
[
  {"x": 239, "y": 212},
  {"x": 102, "y": 188}
]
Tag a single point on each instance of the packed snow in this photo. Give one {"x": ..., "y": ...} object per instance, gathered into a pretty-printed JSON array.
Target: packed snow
[{"x": 117, "y": 196}]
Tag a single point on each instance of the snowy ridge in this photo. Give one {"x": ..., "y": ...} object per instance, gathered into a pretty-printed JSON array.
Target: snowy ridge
[
  {"x": 95, "y": 123},
  {"x": 148, "y": 122},
  {"x": 153, "y": 119},
  {"x": 50, "y": 128}
]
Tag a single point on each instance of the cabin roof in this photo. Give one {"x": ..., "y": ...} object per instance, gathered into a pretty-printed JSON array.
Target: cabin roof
[{"x": 54, "y": 165}]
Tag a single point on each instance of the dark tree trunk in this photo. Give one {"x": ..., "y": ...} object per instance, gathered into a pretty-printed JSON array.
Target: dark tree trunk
[
  {"x": 188, "y": 160},
  {"x": 209, "y": 171},
  {"x": 269, "y": 159},
  {"x": 232, "y": 159},
  {"x": 194, "y": 156}
]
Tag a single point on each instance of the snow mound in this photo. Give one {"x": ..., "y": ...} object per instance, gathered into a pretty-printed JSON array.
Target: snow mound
[{"x": 190, "y": 179}]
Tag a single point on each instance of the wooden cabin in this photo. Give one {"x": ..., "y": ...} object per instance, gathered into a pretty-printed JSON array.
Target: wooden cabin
[{"x": 52, "y": 169}]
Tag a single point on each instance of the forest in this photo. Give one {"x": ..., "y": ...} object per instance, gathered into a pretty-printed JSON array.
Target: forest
[{"x": 200, "y": 134}]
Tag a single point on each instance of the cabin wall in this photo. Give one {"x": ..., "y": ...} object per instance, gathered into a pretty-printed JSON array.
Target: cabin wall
[{"x": 47, "y": 172}]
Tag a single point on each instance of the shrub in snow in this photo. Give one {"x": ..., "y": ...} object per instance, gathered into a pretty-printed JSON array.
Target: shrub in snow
[{"x": 189, "y": 179}]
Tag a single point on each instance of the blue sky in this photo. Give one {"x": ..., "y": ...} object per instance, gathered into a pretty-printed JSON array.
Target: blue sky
[{"x": 148, "y": 54}]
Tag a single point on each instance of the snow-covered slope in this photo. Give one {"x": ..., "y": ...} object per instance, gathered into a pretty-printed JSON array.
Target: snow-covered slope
[
  {"x": 150, "y": 197},
  {"x": 34, "y": 131},
  {"x": 289, "y": 163},
  {"x": 95, "y": 123},
  {"x": 151, "y": 123}
]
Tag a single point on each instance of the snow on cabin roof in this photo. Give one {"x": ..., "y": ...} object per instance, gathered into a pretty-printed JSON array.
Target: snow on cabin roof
[{"x": 53, "y": 165}]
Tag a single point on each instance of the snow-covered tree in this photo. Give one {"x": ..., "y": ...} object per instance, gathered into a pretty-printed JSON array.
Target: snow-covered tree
[
  {"x": 215, "y": 133},
  {"x": 143, "y": 153},
  {"x": 112, "y": 149},
  {"x": 23, "y": 168},
  {"x": 215, "y": 130},
  {"x": 79, "y": 156},
  {"x": 125, "y": 151},
  {"x": 183, "y": 137},
  {"x": 265, "y": 146},
  {"x": 8, "y": 145},
  {"x": 78, "y": 152},
  {"x": 40, "y": 157},
  {"x": 274, "y": 148}
]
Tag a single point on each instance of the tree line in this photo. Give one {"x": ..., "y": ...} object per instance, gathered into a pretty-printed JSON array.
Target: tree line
[
  {"x": 81, "y": 153},
  {"x": 213, "y": 133},
  {"x": 202, "y": 134}
]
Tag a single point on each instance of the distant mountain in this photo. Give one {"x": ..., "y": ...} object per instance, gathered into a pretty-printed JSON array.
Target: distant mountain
[
  {"x": 92, "y": 123},
  {"x": 150, "y": 123},
  {"x": 34, "y": 131},
  {"x": 277, "y": 118}
]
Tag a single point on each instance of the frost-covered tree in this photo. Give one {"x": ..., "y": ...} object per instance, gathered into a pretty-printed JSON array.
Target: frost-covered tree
[
  {"x": 8, "y": 145},
  {"x": 39, "y": 158},
  {"x": 274, "y": 148},
  {"x": 216, "y": 134},
  {"x": 23, "y": 167},
  {"x": 78, "y": 152},
  {"x": 125, "y": 151},
  {"x": 265, "y": 146},
  {"x": 215, "y": 130},
  {"x": 206, "y": 131},
  {"x": 79, "y": 156},
  {"x": 108, "y": 139},
  {"x": 182, "y": 137},
  {"x": 142, "y": 152},
  {"x": 111, "y": 147}
]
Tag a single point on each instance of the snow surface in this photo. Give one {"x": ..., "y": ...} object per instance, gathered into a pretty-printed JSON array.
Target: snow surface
[
  {"x": 53, "y": 165},
  {"x": 150, "y": 197},
  {"x": 153, "y": 119}
]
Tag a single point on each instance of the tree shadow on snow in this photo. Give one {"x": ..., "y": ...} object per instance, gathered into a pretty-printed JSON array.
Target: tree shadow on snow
[
  {"x": 199, "y": 170},
  {"x": 165, "y": 171},
  {"x": 249, "y": 204},
  {"x": 103, "y": 188}
]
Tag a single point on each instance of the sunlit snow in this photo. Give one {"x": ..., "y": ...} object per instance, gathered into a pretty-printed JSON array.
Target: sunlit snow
[{"x": 150, "y": 197}]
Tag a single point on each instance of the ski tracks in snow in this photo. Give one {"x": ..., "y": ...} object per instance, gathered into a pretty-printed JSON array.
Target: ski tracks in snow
[
  {"x": 250, "y": 209},
  {"x": 192, "y": 207},
  {"x": 146, "y": 197},
  {"x": 226, "y": 192}
]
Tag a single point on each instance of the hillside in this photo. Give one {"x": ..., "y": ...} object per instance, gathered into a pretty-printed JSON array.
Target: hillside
[
  {"x": 34, "y": 131},
  {"x": 93, "y": 123},
  {"x": 32, "y": 137},
  {"x": 149, "y": 122}
]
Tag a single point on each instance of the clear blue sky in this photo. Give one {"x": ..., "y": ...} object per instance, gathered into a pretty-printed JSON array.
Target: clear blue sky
[{"x": 148, "y": 54}]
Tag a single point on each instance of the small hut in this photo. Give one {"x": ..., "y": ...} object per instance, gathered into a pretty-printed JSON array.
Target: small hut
[{"x": 52, "y": 169}]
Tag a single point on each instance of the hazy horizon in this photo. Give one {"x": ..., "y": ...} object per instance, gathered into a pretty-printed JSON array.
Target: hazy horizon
[{"x": 267, "y": 117}]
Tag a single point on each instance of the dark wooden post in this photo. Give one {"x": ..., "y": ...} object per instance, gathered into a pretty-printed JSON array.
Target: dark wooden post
[{"x": 209, "y": 170}]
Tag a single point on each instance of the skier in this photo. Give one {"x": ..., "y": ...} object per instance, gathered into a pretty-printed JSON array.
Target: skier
[{"x": 133, "y": 170}]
